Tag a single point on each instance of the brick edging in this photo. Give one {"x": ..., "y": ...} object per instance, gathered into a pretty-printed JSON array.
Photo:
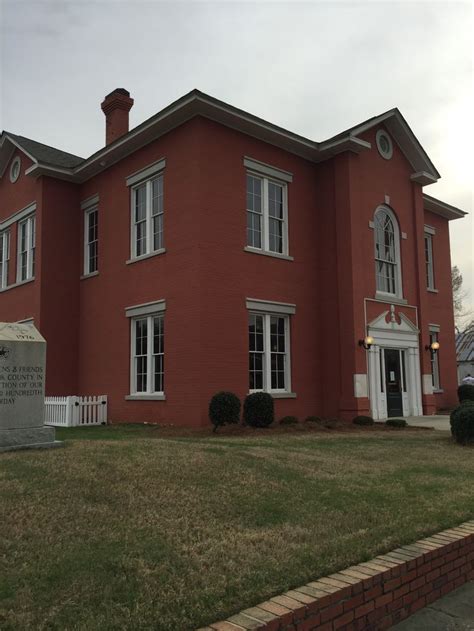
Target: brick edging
[{"x": 370, "y": 596}]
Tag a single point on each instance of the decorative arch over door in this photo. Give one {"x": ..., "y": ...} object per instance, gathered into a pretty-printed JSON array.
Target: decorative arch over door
[{"x": 394, "y": 332}]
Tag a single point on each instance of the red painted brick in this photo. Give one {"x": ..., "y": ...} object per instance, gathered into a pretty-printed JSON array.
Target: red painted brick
[
  {"x": 364, "y": 609},
  {"x": 343, "y": 620},
  {"x": 331, "y": 612}
]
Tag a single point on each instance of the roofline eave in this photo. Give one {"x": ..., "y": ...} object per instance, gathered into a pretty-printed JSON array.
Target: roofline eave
[{"x": 442, "y": 208}]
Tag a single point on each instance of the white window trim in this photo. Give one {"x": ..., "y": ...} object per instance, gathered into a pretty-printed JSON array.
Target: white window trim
[
  {"x": 266, "y": 170},
  {"x": 269, "y": 306},
  {"x": 18, "y": 216},
  {"x": 385, "y": 155},
  {"x": 150, "y": 394},
  {"x": 16, "y": 161},
  {"x": 267, "y": 309},
  {"x": 146, "y": 308},
  {"x": 5, "y": 262},
  {"x": 148, "y": 209},
  {"x": 90, "y": 201},
  {"x": 429, "y": 272},
  {"x": 87, "y": 214},
  {"x": 31, "y": 247},
  {"x": 398, "y": 259},
  {"x": 267, "y": 173},
  {"x": 147, "y": 173}
]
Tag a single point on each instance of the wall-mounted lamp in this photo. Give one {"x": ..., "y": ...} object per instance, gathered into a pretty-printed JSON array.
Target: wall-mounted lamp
[
  {"x": 367, "y": 342},
  {"x": 433, "y": 347}
]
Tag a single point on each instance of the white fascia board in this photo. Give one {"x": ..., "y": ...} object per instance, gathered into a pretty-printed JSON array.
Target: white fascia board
[
  {"x": 423, "y": 178},
  {"x": 18, "y": 215},
  {"x": 356, "y": 145},
  {"x": 57, "y": 172},
  {"x": 268, "y": 306},
  {"x": 147, "y": 308},
  {"x": 441, "y": 208},
  {"x": 18, "y": 146}
]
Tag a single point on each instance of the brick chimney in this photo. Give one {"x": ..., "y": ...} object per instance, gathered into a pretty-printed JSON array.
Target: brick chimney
[{"x": 116, "y": 107}]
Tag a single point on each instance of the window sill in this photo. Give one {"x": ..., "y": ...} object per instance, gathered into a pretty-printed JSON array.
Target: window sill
[
  {"x": 432, "y": 290},
  {"x": 17, "y": 284},
  {"x": 283, "y": 395},
  {"x": 145, "y": 256},
  {"x": 439, "y": 391},
  {"x": 145, "y": 397},
  {"x": 84, "y": 276},
  {"x": 390, "y": 298},
  {"x": 275, "y": 255}
]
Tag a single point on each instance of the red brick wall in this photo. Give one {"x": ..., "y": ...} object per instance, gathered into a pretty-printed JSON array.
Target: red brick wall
[
  {"x": 370, "y": 596},
  {"x": 60, "y": 236},
  {"x": 23, "y": 301},
  {"x": 205, "y": 275}
]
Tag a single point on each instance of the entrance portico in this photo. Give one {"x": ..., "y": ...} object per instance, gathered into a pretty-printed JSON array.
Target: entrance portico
[{"x": 394, "y": 366}]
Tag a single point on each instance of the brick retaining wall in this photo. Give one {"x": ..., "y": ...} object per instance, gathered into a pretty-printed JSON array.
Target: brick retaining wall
[{"x": 370, "y": 596}]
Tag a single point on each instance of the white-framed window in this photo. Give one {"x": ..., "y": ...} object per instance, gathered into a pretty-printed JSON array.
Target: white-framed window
[
  {"x": 387, "y": 252},
  {"x": 4, "y": 257},
  {"x": 267, "y": 213},
  {"x": 26, "y": 248},
  {"x": 148, "y": 354},
  {"x": 91, "y": 240},
  {"x": 434, "y": 362},
  {"x": 269, "y": 352},
  {"x": 147, "y": 217},
  {"x": 429, "y": 261}
]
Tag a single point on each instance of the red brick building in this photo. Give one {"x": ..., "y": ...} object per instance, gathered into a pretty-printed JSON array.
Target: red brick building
[{"x": 208, "y": 249}]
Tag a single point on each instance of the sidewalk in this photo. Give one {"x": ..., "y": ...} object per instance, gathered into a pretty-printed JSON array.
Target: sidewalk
[
  {"x": 440, "y": 422},
  {"x": 453, "y": 612}
]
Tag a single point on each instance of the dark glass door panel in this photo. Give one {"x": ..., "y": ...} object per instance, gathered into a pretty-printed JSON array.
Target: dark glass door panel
[{"x": 393, "y": 381}]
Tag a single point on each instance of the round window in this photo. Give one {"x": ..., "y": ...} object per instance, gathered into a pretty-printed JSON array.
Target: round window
[
  {"x": 15, "y": 169},
  {"x": 384, "y": 144}
]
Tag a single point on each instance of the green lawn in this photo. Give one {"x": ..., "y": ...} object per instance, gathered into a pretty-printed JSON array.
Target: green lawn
[{"x": 123, "y": 529}]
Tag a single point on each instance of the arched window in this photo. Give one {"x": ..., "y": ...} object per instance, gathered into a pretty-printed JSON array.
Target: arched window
[{"x": 387, "y": 252}]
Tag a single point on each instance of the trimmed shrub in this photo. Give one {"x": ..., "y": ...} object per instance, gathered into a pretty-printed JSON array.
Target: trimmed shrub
[
  {"x": 465, "y": 393},
  {"x": 363, "y": 420},
  {"x": 462, "y": 422},
  {"x": 258, "y": 409},
  {"x": 332, "y": 423},
  {"x": 396, "y": 422},
  {"x": 313, "y": 419},
  {"x": 224, "y": 407},
  {"x": 288, "y": 420}
]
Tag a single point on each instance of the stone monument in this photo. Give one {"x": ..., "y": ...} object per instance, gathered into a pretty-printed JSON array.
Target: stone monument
[{"x": 22, "y": 377}]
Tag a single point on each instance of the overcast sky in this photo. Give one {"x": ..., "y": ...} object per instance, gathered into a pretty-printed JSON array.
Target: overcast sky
[{"x": 315, "y": 68}]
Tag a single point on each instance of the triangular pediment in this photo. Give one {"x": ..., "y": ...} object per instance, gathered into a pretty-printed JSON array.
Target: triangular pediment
[
  {"x": 424, "y": 171},
  {"x": 391, "y": 320}
]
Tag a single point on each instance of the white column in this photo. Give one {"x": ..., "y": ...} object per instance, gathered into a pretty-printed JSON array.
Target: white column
[{"x": 374, "y": 363}]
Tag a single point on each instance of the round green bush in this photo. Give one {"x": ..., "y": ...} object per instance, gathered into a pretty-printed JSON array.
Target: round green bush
[
  {"x": 462, "y": 422},
  {"x": 224, "y": 407},
  {"x": 258, "y": 409},
  {"x": 288, "y": 420},
  {"x": 465, "y": 393},
  {"x": 313, "y": 419},
  {"x": 363, "y": 420},
  {"x": 396, "y": 422}
]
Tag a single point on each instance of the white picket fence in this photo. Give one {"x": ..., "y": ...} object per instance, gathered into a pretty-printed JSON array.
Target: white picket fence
[{"x": 75, "y": 411}]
